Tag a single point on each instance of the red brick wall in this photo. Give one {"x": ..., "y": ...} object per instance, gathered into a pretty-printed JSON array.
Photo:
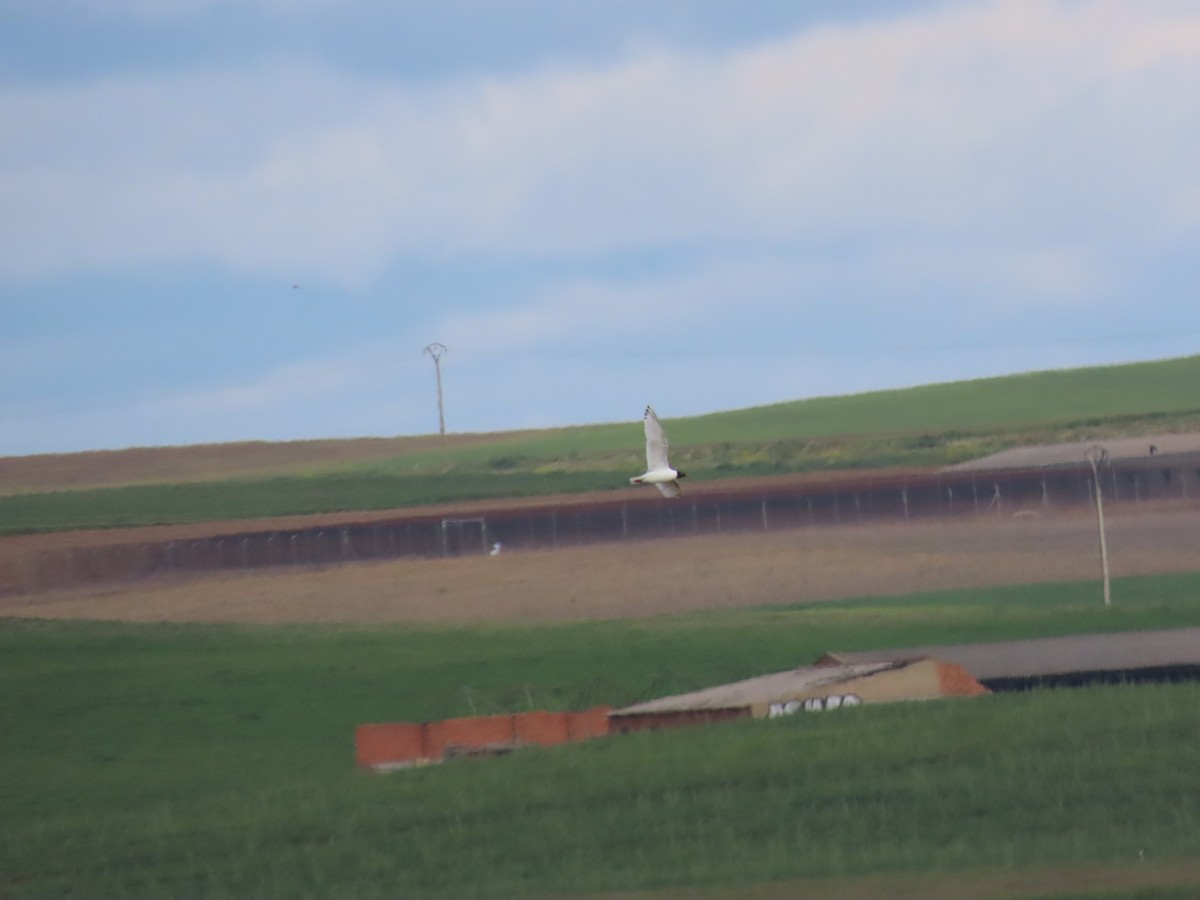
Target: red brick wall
[
  {"x": 388, "y": 744},
  {"x": 542, "y": 728},
  {"x": 955, "y": 681},
  {"x": 408, "y": 743},
  {"x": 476, "y": 732},
  {"x": 589, "y": 723}
]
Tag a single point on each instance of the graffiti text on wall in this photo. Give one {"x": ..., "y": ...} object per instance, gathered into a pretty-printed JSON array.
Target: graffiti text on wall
[{"x": 813, "y": 704}]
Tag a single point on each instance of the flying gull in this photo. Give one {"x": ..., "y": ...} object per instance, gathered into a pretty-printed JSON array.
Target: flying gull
[{"x": 658, "y": 471}]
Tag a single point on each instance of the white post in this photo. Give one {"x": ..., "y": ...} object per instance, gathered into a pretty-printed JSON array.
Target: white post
[{"x": 1095, "y": 456}]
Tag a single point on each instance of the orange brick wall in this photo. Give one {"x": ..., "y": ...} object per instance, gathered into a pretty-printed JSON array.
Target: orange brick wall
[
  {"x": 474, "y": 732},
  {"x": 401, "y": 743},
  {"x": 955, "y": 681},
  {"x": 387, "y": 744},
  {"x": 589, "y": 723},
  {"x": 542, "y": 728},
  {"x": 433, "y": 741}
]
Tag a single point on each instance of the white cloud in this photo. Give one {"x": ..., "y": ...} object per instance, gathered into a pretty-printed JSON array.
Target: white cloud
[
  {"x": 955, "y": 190},
  {"x": 583, "y": 312},
  {"x": 1013, "y": 276},
  {"x": 285, "y": 385},
  {"x": 981, "y": 119},
  {"x": 748, "y": 304}
]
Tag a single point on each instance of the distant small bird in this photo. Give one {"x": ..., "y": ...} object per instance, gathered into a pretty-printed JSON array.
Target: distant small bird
[
  {"x": 495, "y": 551},
  {"x": 295, "y": 287},
  {"x": 658, "y": 471}
]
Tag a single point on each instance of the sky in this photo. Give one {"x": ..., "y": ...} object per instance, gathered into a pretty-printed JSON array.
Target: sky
[{"x": 230, "y": 220}]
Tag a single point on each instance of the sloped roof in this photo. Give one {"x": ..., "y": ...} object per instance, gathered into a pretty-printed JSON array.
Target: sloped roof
[
  {"x": 1075, "y": 453},
  {"x": 763, "y": 689},
  {"x": 1042, "y": 657}
]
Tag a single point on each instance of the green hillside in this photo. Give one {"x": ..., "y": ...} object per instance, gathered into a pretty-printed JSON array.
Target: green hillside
[{"x": 932, "y": 425}]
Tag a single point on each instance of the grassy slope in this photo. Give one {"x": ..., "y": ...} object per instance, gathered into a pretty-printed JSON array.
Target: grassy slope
[
  {"x": 1037, "y": 401},
  {"x": 929, "y": 425},
  {"x": 975, "y": 415},
  {"x": 206, "y": 761},
  {"x": 269, "y": 497}
]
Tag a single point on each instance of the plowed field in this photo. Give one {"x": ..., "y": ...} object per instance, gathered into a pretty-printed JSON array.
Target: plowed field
[{"x": 645, "y": 578}]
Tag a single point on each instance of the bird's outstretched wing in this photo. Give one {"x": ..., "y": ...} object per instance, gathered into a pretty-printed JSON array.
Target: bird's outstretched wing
[
  {"x": 656, "y": 442},
  {"x": 669, "y": 488}
]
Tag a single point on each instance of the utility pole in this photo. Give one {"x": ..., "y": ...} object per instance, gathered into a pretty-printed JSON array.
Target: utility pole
[
  {"x": 435, "y": 351},
  {"x": 1097, "y": 455}
]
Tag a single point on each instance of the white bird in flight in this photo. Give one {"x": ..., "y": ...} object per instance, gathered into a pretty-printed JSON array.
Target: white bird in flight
[{"x": 658, "y": 471}]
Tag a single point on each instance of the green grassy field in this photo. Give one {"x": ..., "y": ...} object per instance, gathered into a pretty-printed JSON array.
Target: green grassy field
[
  {"x": 188, "y": 760},
  {"x": 268, "y": 497},
  {"x": 925, "y": 426}
]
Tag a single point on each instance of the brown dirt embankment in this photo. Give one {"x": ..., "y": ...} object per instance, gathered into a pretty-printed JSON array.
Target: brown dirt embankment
[
  {"x": 15, "y": 548},
  {"x": 633, "y": 579},
  {"x": 207, "y": 462}
]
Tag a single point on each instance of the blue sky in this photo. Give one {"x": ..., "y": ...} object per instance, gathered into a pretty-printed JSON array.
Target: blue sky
[{"x": 244, "y": 219}]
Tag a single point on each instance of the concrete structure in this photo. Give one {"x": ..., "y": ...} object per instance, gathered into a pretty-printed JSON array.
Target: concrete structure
[
  {"x": 1156, "y": 449},
  {"x": 802, "y": 690},
  {"x": 837, "y": 680},
  {"x": 1172, "y": 654}
]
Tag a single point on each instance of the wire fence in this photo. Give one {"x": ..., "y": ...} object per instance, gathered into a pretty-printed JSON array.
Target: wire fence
[{"x": 847, "y": 501}]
